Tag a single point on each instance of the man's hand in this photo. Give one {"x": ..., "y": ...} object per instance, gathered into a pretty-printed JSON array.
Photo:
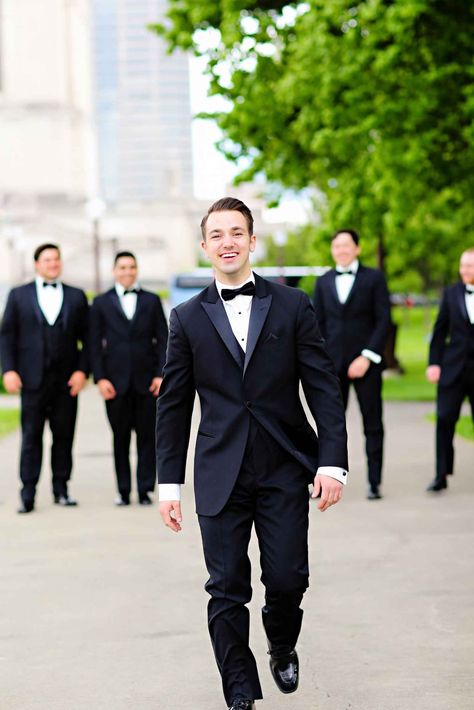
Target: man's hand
[
  {"x": 12, "y": 382},
  {"x": 331, "y": 491},
  {"x": 155, "y": 386},
  {"x": 76, "y": 382},
  {"x": 433, "y": 373},
  {"x": 106, "y": 389},
  {"x": 170, "y": 511},
  {"x": 358, "y": 367}
]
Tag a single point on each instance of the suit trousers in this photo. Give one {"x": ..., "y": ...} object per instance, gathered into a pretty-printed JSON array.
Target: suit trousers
[
  {"x": 52, "y": 402},
  {"x": 448, "y": 409},
  {"x": 271, "y": 492},
  {"x": 128, "y": 412},
  {"x": 369, "y": 395}
]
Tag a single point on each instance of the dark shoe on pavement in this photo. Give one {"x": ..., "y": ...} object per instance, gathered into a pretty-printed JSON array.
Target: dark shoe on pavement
[
  {"x": 240, "y": 704},
  {"x": 122, "y": 500},
  {"x": 26, "y": 507},
  {"x": 285, "y": 671},
  {"x": 144, "y": 499},
  {"x": 439, "y": 484},
  {"x": 373, "y": 493},
  {"x": 65, "y": 501}
]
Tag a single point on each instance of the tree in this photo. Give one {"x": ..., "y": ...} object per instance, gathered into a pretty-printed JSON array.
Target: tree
[{"x": 370, "y": 102}]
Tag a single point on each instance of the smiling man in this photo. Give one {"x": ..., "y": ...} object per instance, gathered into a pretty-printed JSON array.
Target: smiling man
[{"x": 245, "y": 345}]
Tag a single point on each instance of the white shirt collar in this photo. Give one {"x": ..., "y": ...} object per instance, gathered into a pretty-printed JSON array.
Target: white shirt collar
[
  {"x": 121, "y": 289},
  {"x": 353, "y": 266},
  {"x": 220, "y": 285}
]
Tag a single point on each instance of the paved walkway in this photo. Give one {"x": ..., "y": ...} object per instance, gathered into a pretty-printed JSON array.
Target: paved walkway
[{"x": 103, "y": 608}]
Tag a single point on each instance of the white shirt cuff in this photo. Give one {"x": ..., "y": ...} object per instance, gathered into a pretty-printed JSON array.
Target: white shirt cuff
[
  {"x": 373, "y": 357},
  {"x": 169, "y": 491},
  {"x": 340, "y": 474}
]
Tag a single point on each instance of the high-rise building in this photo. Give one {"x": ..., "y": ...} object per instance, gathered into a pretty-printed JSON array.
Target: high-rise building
[{"x": 142, "y": 106}]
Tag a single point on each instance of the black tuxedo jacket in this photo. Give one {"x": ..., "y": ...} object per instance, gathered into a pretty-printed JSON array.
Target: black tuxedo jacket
[
  {"x": 22, "y": 334},
  {"x": 284, "y": 348},
  {"x": 129, "y": 353},
  {"x": 363, "y": 321},
  {"x": 453, "y": 334}
]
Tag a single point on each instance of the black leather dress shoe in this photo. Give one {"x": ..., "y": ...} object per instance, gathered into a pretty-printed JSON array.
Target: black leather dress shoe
[
  {"x": 241, "y": 704},
  {"x": 65, "y": 501},
  {"x": 439, "y": 484},
  {"x": 122, "y": 500},
  {"x": 27, "y": 507},
  {"x": 145, "y": 499},
  {"x": 285, "y": 672},
  {"x": 373, "y": 493}
]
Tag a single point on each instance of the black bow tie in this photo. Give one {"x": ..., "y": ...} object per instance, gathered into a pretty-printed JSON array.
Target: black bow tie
[
  {"x": 469, "y": 291},
  {"x": 343, "y": 273},
  {"x": 53, "y": 284},
  {"x": 247, "y": 289},
  {"x": 130, "y": 290}
]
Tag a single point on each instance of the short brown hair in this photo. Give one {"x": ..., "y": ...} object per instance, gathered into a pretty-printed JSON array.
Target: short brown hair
[
  {"x": 226, "y": 204},
  {"x": 39, "y": 250}
]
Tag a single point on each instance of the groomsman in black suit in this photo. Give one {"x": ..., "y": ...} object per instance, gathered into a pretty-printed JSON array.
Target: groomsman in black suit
[
  {"x": 353, "y": 310},
  {"x": 44, "y": 356},
  {"x": 451, "y": 364},
  {"x": 245, "y": 344},
  {"x": 128, "y": 346}
]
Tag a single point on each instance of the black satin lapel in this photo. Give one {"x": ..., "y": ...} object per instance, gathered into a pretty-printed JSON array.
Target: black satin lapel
[
  {"x": 36, "y": 305},
  {"x": 65, "y": 308},
  {"x": 218, "y": 317},
  {"x": 116, "y": 302},
  {"x": 258, "y": 315},
  {"x": 138, "y": 308},
  {"x": 461, "y": 294},
  {"x": 356, "y": 282},
  {"x": 332, "y": 283}
]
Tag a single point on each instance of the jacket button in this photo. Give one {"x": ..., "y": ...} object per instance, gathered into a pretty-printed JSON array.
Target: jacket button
[{"x": 248, "y": 404}]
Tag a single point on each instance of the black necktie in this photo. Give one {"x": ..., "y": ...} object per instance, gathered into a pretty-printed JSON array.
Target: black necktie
[
  {"x": 53, "y": 284},
  {"x": 130, "y": 290},
  {"x": 247, "y": 289}
]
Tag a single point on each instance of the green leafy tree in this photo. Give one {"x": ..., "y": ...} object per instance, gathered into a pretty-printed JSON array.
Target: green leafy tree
[{"x": 370, "y": 102}]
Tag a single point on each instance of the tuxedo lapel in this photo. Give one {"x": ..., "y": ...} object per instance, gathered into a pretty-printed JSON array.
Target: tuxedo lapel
[
  {"x": 34, "y": 301},
  {"x": 66, "y": 307},
  {"x": 118, "y": 306},
  {"x": 461, "y": 299},
  {"x": 260, "y": 306},
  {"x": 357, "y": 278},
  {"x": 332, "y": 286},
  {"x": 138, "y": 308},
  {"x": 218, "y": 317}
]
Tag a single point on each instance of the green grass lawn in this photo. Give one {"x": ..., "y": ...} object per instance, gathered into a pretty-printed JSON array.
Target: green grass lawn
[{"x": 9, "y": 420}]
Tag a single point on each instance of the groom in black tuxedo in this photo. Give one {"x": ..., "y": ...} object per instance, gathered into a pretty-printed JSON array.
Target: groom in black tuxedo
[
  {"x": 44, "y": 356},
  {"x": 451, "y": 365},
  {"x": 128, "y": 335},
  {"x": 353, "y": 310},
  {"x": 245, "y": 345}
]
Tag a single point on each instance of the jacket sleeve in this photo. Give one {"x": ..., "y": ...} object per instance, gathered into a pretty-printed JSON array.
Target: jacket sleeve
[
  {"x": 381, "y": 302},
  {"x": 9, "y": 335},
  {"x": 318, "y": 302},
  {"x": 175, "y": 406},
  {"x": 96, "y": 336},
  {"x": 440, "y": 332},
  {"x": 83, "y": 335},
  {"x": 321, "y": 388},
  {"x": 161, "y": 336}
]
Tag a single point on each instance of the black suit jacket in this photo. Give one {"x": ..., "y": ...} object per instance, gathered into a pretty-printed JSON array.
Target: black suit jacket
[
  {"x": 284, "y": 348},
  {"x": 129, "y": 353},
  {"x": 453, "y": 333},
  {"x": 363, "y": 321},
  {"x": 22, "y": 334}
]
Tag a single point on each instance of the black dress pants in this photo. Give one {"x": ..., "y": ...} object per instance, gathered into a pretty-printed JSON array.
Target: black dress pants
[
  {"x": 52, "y": 402},
  {"x": 369, "y": 395},
  {"x": 271, "y": 492},
  {"x": 448, "y": 408},
  {"x": 128, "y": 412}
]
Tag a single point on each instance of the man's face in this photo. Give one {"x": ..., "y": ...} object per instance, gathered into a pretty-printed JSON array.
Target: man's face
[
  {"x": 49, "y": 265},
  {"x": 466, "y": 267},
  {"x": 228, "y": 245},
  {"x": 344, "y": 250},
  {"x": 125, "y": 271}
]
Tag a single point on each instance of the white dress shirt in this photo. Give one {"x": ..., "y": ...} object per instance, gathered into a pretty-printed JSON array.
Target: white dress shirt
[
  {"x": 344, "y": 284},
  {"x": 238, "y": 312},
  {"x": 50, "y": 298},
  {"x": 128, "y": 301},
  {"x": 470, "y": 302}
]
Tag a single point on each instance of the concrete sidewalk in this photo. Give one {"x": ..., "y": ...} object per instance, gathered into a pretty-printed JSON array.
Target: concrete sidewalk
[{"x": 104, "y": 609}]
